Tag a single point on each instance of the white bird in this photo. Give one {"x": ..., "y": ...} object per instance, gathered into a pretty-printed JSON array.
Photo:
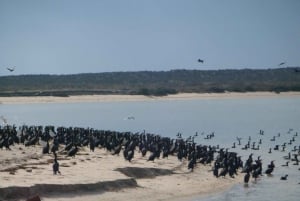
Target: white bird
[
  {"x": 3, "y": 119},
  {"x": 11, "y": 69}
]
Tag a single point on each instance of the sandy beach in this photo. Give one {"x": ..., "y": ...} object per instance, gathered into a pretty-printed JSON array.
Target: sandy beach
[
  {"x": 104, "y": 176},
  {"x": 99, "y": 175},
  {"x": 114, "y": 98}
]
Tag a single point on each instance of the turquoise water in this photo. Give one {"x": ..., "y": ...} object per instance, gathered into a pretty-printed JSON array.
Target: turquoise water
[{"x": 228, "y": 118}]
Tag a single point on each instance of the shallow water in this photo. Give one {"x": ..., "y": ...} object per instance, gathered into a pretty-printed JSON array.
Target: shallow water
[{"x": 228, "y": 118}]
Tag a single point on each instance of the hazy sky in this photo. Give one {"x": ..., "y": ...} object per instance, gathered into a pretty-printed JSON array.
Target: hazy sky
[{"x": 72, "y": 36}]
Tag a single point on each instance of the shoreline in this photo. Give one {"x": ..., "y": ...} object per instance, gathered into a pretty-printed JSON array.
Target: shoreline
[
  {"x": 121, "y": 98},
  {"x": 23, "y": 167}
]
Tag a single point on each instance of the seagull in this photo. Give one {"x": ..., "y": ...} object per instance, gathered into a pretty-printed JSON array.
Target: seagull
[
  {"x": 282, "y": 63},
  {"x": 200, "y": 60},
  {"x": 11, "y": 69},
  {"x": 4, "y": 120}
]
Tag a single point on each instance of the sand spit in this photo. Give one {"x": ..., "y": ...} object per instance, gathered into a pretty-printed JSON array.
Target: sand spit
[
  {"x": 119, "y": 98},
  {"x": 99, "y": 175}
]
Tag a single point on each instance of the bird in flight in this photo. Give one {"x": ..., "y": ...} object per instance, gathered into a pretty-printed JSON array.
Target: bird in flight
[
  {"x": 282, "y": 63},
  {"x": 200, "y": 60},
  {"x": 11, "y": 69}
]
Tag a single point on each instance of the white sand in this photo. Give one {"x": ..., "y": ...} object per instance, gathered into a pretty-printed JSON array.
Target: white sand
[
  {"x": 111, "y": 98},
  {"x": 92, "y": 167}
]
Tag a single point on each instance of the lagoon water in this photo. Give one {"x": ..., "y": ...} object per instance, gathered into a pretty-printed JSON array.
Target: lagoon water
[{"x": 228, "y": 118}]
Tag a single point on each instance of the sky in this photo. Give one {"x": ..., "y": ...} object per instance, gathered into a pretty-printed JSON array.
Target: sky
[{"x": 91, "y": 36}]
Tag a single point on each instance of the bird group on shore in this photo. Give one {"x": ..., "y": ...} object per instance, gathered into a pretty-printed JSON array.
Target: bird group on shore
[{"x": 69, "y": 141}]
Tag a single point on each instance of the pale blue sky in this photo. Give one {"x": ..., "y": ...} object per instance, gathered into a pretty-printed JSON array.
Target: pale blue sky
[{"x": 72, "y": 36}]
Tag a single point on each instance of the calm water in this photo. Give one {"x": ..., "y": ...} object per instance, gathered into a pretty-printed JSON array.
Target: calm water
[{"x": 228, "y": 118}]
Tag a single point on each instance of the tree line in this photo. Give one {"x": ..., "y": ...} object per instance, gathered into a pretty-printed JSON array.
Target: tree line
[{"x": 157, "y": 83}]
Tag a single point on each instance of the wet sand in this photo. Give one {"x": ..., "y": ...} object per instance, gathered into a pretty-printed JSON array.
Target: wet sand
[
  {"x": 114, "y": 98},
  {"x": 100, "y": 175}
]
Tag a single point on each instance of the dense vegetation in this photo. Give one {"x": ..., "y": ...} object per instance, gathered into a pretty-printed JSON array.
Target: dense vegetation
[{"x": 153, "y": 82}]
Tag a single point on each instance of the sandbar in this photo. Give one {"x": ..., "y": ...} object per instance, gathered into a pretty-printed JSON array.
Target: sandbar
[{"x": 120, "y": 98}]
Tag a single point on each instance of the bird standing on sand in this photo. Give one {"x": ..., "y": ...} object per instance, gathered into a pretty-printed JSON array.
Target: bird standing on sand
[
  {"x": 152, "y": 157},
  {"x": 216, "y": 171},
  {"x": 191, "y": 164},
  {"x": 46, "y": 148},
  {"x": 55, "y": 165},
  {"x": 73, "y": 151}
]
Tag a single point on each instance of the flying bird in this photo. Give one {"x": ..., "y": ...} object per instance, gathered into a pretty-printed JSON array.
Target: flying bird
[
  {"x": 282, "y": 63},
  {"x": 200, "y": 60},
  {"x": 11, "y": 69}
]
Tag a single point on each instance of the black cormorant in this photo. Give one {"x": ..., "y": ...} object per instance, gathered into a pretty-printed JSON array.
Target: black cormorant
[
  {"x": 247, "y": 177},
  {"x": 284, "y": 177},
  {"x": 55, "y": 165},
  {"x": 73, "y": 151},
  {"x": 200, "y": 60}
]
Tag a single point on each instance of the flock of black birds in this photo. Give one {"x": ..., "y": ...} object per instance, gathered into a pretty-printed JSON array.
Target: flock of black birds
[
  {"x": 70, "y": 140},
  {"x": 254, "y": 167}
]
